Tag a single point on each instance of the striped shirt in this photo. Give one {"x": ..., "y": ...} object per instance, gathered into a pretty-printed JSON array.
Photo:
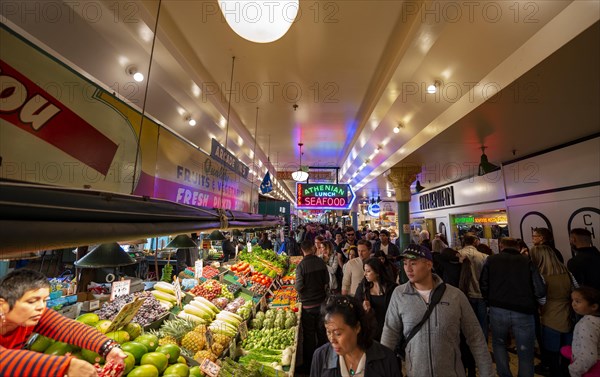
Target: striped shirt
[{"x": 23, "y": 363}]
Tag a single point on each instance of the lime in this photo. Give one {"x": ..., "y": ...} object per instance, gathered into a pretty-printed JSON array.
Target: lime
[
  {"x": 181, "y": 370},
  {"x": 158, "y": 359},
  {"x": 171, "y": 351},
  {"x": 136, "y": 349},
  {"x": 144, "y": 371}
]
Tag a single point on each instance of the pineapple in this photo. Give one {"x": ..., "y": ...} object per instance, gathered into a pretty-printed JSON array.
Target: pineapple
[
  {"x": 204, "y": 354},
  {"x": 173, "y": 331},
  {"x": 200, "y": 329},
  {"x": 221, "y": 339},
  {"x": 217, "y": 349},
  {"x": 167, "y": 339},
  {"x": 194, "y": 341}
]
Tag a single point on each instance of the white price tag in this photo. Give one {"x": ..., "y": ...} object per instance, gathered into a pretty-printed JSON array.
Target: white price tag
[
  {"x": 211, "y": 369},
  {"x": 198, "y": 268},
  {"x": 249, "y": 247},
  {"x": 178, "y": 293},
  {"x": 120, "y": 288}
]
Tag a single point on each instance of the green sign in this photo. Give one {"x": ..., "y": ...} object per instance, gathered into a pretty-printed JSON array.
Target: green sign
[{"x": 464, "y": 220}]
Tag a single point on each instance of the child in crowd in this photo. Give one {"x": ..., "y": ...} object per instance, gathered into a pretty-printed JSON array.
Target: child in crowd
[{"x": 585, "y": 351}]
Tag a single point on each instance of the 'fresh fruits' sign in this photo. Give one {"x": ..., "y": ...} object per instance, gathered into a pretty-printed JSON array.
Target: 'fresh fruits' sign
[{"x": 323, "y": 196}]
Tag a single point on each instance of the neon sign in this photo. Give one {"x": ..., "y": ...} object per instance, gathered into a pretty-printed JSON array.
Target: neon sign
[
  {"x": 472, "y": 219},
  {"x": 323, "y": 196}
]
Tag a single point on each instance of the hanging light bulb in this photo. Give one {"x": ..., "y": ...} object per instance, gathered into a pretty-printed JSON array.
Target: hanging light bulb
[
  {"x": 260, "y": 21},
  {"x": 300, "y": 175}
]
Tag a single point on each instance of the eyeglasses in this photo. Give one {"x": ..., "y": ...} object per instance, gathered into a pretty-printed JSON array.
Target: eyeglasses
[{"x": 350, "y": 234}]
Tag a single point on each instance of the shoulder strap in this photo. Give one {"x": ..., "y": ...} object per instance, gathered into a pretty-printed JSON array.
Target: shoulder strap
[{"x": 435, "y": 299}]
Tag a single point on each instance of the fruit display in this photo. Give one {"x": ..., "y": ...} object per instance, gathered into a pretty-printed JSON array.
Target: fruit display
[
  {"x": 199, "y": 310},
  {"x": 220, "y": 302},
  {"x": 258, "y": 290},
  {"x": 241, "y": 268},
  {"x": 210, "y": 289},
  {"x": 149, "y": 312},
  {"x": 286, "y": 295},
  {"x": 233, "y": 288},
  {"x": 262, "y": 279},
  {"x": 109, "y": 370},
  {"x": 209, "y": 272}
]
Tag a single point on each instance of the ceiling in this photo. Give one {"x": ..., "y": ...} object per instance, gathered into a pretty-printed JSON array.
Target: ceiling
[{"x": 356, "y": 69}]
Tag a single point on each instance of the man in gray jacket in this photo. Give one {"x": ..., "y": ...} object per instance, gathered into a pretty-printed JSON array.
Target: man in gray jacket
[{"x": 435, "y": 349}]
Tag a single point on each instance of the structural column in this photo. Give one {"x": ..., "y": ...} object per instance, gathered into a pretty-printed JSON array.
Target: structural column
[{"x": 401, "y": 178}]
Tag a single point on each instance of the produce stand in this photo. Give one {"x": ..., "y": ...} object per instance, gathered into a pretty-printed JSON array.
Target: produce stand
[{"x": 212, "y": 322}]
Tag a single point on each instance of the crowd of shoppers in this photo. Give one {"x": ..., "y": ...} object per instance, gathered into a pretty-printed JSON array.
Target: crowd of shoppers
[{"x": 438, "y": 320}]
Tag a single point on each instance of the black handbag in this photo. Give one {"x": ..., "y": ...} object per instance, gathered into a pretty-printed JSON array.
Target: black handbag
[{"x": 438, "y": 292}]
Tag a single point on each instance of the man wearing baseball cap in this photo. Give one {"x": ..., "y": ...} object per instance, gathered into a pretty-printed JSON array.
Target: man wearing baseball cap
[{"x": 433, "y": 350}]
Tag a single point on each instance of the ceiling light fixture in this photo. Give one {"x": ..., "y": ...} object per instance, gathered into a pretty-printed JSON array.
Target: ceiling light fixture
[
  {"x": 260, "y": 21},
  {"x": 418, "y": 187},
  {"x": 484, "y": 165},
  {"x": 190, "y": 121},
  {"x": 433, "y": 88},
  {"x": 398, "y": 127},
  {"x": 133, "y": 71},
  {"x": 300, "y": 175}
]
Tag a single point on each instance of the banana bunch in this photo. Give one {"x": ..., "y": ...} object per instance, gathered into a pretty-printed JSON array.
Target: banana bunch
[{"x": 167, "y": 273}]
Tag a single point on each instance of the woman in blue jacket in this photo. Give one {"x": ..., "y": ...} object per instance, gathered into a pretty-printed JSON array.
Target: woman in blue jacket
[{"x": 350, "y": 351}]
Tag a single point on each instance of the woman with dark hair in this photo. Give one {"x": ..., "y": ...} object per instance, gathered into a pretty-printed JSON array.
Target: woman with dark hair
[
  {"x": 350, "y": 351},
  {"x": 375, "y": 293},
  {"x": 390, "y": 269},
  {"x": 23, "y": 295},
  {"x": 265, "y": 243}
]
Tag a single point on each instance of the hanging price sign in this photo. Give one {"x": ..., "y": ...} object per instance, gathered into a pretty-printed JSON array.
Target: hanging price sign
[
  {"x": 198, "y": 265},
  {"x": 120, "y": 288},
  {"x": 178, "y": 294},
  {"x": 211, "y": 369},
  {"x": 232, "y": 349}
]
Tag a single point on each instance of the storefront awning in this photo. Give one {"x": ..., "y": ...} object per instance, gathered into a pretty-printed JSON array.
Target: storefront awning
[{"x": 38, "y": 217}]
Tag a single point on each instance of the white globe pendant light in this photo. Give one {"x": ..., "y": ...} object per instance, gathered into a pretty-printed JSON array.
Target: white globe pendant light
[{"x": 260, "y": 21}]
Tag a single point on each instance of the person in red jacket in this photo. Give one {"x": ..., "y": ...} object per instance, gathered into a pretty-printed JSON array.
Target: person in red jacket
[{"x": 23, "y": 296}]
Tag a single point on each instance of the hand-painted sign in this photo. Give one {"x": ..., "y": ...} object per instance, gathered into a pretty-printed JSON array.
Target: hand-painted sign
[
  {"x": 323, "y": 196},
  {"x": 228, "y": 159},
  {"x": 27, "y": 106}
]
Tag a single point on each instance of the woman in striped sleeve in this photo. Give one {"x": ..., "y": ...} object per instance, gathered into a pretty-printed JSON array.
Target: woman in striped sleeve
[{"x": 23, "y": 295}]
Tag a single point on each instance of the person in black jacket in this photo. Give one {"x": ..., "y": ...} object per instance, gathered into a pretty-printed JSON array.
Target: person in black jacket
[
  {"x": 585, "y": 265},
  {"x": 389, "y": 249},
  {"x": 312, "y": 285},
  {"x": 375, "y": 292},
  {"x": 350, "y": 348},
  {"x": 511, "y": 285}
]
